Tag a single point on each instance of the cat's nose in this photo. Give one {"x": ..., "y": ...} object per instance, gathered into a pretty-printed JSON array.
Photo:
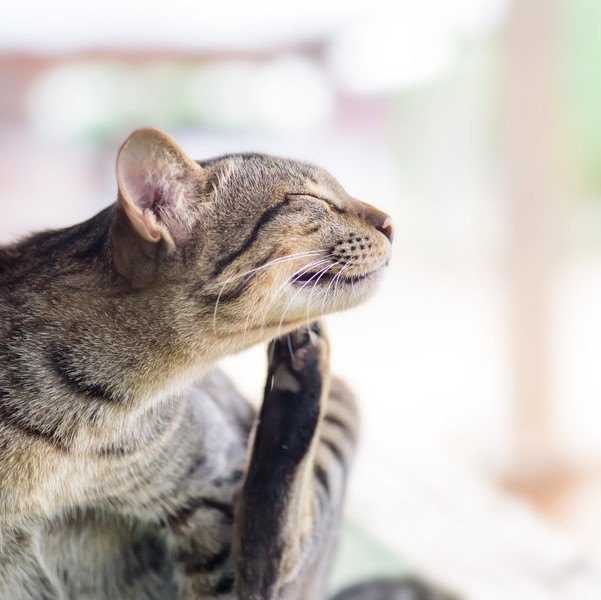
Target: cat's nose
[
  {"x": 377, "y": 218},
  {"x": 387, "y": 229}
]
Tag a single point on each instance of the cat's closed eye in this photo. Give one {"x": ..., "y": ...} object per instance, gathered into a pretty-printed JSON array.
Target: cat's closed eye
[{"x": 331, "y": 204}]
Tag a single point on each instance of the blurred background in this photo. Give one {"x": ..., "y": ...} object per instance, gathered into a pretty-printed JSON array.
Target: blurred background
[{"x": 477, "y": 125}]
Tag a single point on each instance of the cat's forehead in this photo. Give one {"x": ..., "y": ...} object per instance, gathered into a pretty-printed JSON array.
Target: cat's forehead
[{"x": 253, "y": 170}]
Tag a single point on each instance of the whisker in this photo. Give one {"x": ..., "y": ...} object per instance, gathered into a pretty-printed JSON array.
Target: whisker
[
  {"x": 334, "y": 279},
  {"x": 240, "y": 275},
  {"x": 245, "y": 332},
  {"x": 266, "y": 308},
  {"x": 309, "y": 303},
  {"x": 339, "y": 276},
  {"x": 269, "y": 263},
  {"x": 289, "y": 304},
  {"x": 291, "y": 279},
  {"x": 320, "y": 272}
]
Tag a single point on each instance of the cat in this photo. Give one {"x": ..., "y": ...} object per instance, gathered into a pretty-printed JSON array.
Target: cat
[{"x": 130, "y": 467}]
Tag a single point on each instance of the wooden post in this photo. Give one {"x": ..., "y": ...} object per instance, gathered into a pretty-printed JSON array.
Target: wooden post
[{"x": 533, "y": 211}]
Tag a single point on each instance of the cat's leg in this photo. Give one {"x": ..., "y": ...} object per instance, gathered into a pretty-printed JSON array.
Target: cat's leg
[{"x": 288, "y": 513}]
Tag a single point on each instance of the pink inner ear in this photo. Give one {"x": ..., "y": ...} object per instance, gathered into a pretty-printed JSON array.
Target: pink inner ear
[
  {"x": 154, "y": 181},
  {"x": 136, "y": 187},
  {"x": 148, "y": 192}
]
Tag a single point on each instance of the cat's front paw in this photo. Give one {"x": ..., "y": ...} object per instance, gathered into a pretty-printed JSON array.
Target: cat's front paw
[
  {"x": 300, "y": 357},
  {"x": 298, "y": 375}
]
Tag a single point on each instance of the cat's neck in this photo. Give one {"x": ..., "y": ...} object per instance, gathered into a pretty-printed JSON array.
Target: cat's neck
[{"x": 96, "y": 331}]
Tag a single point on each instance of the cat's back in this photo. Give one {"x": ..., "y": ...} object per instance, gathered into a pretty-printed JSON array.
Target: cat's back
[{"x": 40, "y": 274}]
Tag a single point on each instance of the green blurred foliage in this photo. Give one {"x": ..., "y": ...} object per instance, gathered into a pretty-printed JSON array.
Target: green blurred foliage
[
  {"x": 580, "y": 63},
  {"x": 360, "y": 558}
]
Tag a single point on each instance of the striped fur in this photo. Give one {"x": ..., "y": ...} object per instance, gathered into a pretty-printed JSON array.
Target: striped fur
[{"x": 129, "y": 466}]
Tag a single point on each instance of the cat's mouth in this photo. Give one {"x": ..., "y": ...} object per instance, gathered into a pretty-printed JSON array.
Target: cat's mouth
[{"x": 317, "y": 278}]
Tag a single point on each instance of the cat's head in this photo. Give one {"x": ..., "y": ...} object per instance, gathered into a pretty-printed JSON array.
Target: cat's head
[{"x": 249, "y": 245}]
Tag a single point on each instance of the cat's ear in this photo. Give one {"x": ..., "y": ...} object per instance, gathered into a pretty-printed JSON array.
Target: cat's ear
[{"x": 157, "y": 186}]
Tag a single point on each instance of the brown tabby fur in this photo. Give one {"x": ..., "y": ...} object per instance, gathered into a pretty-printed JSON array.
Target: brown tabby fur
[{"x": 127, "y": 464}]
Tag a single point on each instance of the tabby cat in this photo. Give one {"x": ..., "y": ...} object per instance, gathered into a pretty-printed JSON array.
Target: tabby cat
[{"x": 129, "y": 467}]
